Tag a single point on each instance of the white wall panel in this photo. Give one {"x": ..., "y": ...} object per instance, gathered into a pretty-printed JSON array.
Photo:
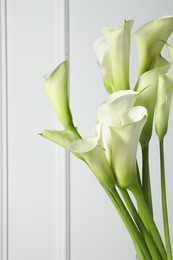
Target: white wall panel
[{"x": 34, "y": 199}]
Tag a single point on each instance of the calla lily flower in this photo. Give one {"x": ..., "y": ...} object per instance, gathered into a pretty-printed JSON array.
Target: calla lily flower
[
  {"x": 113, "y": 51},
  {"x": 164, "y": 97},
  {"x": 121, "y": 128},
  {"x": 124, "y": 146},
  {"x": 63, "y": 138},
  {"x": 56, "y": 87},
  {"x": 150, "y": 39},
  {"x": 96, "y": 159},
  {"x": 147, "y": 86},
  {"x": 118, "y": 135},
  {"x": 110, "y": 113}
]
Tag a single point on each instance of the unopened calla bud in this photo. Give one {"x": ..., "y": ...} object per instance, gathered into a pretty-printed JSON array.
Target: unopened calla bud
[{"x": 164, "y": 97}]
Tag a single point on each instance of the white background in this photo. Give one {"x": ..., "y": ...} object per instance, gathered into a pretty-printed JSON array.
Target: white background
[{"x": 97, "y": 231}]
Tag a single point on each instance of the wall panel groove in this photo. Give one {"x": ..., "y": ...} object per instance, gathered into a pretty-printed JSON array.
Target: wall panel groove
[{"x": 4, "y": 133}]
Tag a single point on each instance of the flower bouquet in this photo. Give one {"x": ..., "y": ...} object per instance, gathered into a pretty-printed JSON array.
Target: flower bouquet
[{"x": 123, "y": 120}]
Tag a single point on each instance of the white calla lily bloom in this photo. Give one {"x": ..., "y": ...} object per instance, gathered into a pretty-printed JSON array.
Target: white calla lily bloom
[
  {"x": 112, "y": 52},
  {"x": 56, "y": 86},
  {"x": 96, "y": 159},
  {"x": 147, "y": 85},
  {"x": 63, "y": 138},
  {"x": 120, "y": 126},
  {"x": 164, "y": 97},
  {"x": 125, "y": 139},
  {"x": 150, "y": 39},
  {"x": 111, "y": 110}
]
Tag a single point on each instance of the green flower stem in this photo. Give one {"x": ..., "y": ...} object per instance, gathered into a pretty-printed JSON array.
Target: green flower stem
[
  {"x": 73, "y": 129},
  {"x": 138, "y": 175},
  {"x": 146, "y": 186},
  {"x": 164, "y": 203},
  {"x": 138, "y": 241},
  {"x": 139, "y": 251},
  {"x": 146, "y": 214},
  {"x": 148, "y": 239}
]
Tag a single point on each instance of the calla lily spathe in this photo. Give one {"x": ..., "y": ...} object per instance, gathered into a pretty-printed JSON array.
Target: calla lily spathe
[
  {"x": 124, "y": 145},
  {"x": 113, "y": 51},
  {"x": 164, "y": 97},
  {"x": 96, "y": 160},
  {"x": 150, "y": 39},
  {"x": 110, "y": 113},
  {"x": 147, "y": 86},
  {"x": 63, "y": 138},
  {"x": 56, "y": 86},
  {"x": 119, "y": 134},
  {"x": 121, "y": 128}
]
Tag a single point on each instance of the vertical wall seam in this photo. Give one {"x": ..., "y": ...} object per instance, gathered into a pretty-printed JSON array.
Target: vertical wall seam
[
  {"x": 64, "y": 156},
  {"x": 4, "y": 132},
  {"x": 68, "y": 191}
]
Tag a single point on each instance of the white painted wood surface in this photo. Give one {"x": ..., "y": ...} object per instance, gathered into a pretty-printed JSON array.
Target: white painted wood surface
[{"x": 34, "y": 172}]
